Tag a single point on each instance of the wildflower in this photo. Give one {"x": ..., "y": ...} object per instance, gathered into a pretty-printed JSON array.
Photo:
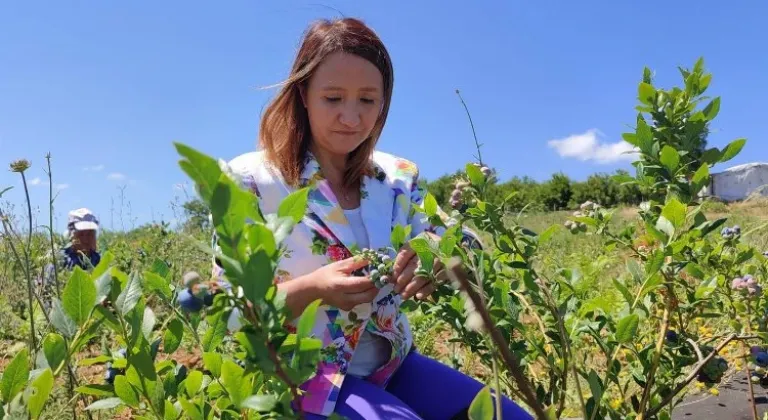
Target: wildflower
[
  {"x": 714, "y": 391},
  {"x": 616, "y": 403},
  {"x": 20, "y": 165}
]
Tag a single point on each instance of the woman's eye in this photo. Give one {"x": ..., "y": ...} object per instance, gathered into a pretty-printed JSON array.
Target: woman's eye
[
  {"x": 367, "y": 100},
  {"x": 332, "y": 98}
]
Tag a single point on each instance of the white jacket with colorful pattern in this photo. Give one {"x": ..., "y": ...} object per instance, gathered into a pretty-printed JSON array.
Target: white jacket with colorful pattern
[{"x": 323, "y": 236}]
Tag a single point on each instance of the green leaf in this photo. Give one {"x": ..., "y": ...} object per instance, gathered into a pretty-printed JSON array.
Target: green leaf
[
  {"x": 148, "y": 322},
  {"x": 675, "y": 212},
  {"x": 281, "y": 227},
  {"x": 712, "y": 109},
  {"x": 644, "y": 136},
  {"x": 670, "y": 158},
  {"x": 695, "y": 270},
  {"x": 631, "y": 138},
  {"x": 657, "y": 234},
  {"x": 232, "y": 376},
  {"x": 705, "y": 289},
  {"x": 399, "y": 235},
  {"x": 307, "y": 320},
  {"x": 203, "y": 170},
  {"x": 635, "y": 271},
  {"x": 655, "y": 261},
  {"x": 259, "y": 236},
  {"x": 217, "y": 330},
  {"x": 170, "y": 412},
  {"x": 143, "y": 363},
  {"x": 475, "y": 176},
  {"x": 430, "y": 204},
  {"x": 666, "y": 226},
  {"x": 15, "y": 376},
  {"x": 130, "y": 295},
  {"x": 125, "y": 391},
  {"x": 193, "y": 383},
  {"x": 627, "y": 328},
  {"x": 624, "y": 291},
  {"x": 547, "y": 234},
  {"x": 103, "y": 358},
  {"x": 172, "y": 336},
  {"x": 260, "y": 403},
  {"x": 212, "y": 362},
  {"x": 595, "y": 385},
  {"x": 700, "y": 178},
  {"x": 646, "y": 93},
  {"x": 79, "y": 296},
  {"x": 294, "y": 205},
  {"x": 158, "y": 284},
  {"x": 105, "y": 404},
  {"x": 41, "y": 386},
  {"x": 259, "y": 275},
  {"x": 100, "y": 390},
  {"x": 103, "y": 266},
  {"x": 55, "y": 350},
  {"x": 482, "y": 405},
  {"x": 733, "y": 149}
]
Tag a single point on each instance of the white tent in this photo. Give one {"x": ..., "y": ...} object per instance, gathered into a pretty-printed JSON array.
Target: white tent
[{"x": 739, "y": 182}]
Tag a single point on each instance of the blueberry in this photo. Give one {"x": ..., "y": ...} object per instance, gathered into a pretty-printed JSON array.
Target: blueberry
[
  {"x": 737, "y": 229},
  {"x": 208, "y": 299},
  {"x": 189, "y": 302},
  {"x": 761, "y": 359},
  {"x": 672, "y": 336},
  {"x": 110, "y": 374},
  {"x": 122, "y": 352},
  {"x": 754, "y": 350},
  {"x": 386, "y": 258},
  {"x": 374, "y": 274}
]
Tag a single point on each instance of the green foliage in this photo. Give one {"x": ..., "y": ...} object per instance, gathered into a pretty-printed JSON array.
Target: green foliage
[{"x": 678, "y": 271}]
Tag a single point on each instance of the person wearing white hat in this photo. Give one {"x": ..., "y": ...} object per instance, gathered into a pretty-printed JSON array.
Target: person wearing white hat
[{"x": 82, "y": 228}]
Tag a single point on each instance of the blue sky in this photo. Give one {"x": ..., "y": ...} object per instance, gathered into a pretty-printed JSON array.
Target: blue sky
[{"x": 106, "y": 87}]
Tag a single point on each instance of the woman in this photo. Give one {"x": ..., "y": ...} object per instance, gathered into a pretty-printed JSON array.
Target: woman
[{"x": 320, "y": 131}]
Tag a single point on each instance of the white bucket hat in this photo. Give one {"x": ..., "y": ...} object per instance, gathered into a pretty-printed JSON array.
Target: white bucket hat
[{"x": 83, "y": 219}]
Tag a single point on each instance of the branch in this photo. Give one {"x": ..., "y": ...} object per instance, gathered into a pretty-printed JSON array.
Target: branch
[
  {"x": 651, "y": 413},
  {"x": 457, "y": 274}
]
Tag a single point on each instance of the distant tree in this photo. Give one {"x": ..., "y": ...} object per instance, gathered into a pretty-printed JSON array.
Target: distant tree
[{"x": 196, "y": 213}]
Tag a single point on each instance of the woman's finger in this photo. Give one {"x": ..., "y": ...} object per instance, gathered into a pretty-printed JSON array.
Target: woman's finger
[
  {"x": 402, "y": 259},
  {"x": 406, "y": 276},
  {"x": 425, "y": 291},
  {"x": 414, "y": 286}
]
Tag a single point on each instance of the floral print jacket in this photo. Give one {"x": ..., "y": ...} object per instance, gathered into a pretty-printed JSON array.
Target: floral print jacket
[{"x": 387, "y": 199}]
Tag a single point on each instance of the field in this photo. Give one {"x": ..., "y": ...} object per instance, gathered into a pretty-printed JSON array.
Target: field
[{"x": 600, "y": 311}]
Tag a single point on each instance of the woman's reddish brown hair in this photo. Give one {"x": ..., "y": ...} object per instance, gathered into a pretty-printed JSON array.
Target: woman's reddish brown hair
[{"x": 284, "y": 132}]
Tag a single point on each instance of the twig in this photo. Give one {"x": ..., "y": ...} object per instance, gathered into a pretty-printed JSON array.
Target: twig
[
  {"x": 457, "y": 274},
  {"x": 651, "y": 413},
  {"x": 657, "y": 353},
  {"x": 477, "y": 145}
]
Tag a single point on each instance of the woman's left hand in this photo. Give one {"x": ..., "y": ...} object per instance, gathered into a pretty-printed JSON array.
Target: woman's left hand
[{"x": 407, "y": 283}]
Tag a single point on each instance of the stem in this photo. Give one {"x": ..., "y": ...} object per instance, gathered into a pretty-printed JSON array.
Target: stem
[
  {"x": 50, "y": 225},
  {"x": 477, "y": 144},
  {"x": 746, "y": 365},
  {"x": 657, "y": 353},
  {"x": 498, "y": 387},
  {"x": 457, "y": 274},
  {"x": 33, "y": 341}
]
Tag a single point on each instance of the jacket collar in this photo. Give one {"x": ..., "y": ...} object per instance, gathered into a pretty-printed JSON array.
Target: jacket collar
[{"x": 376, "y": 204}]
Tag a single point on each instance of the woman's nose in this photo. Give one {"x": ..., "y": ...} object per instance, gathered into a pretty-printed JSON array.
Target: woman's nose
[{"x": 349, "y": 116}]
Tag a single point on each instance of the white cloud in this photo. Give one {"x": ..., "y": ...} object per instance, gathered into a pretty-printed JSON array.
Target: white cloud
[
  {"x": 60, "y": 186},
  {"x": 35, "y": 182},
  {"x": 115, "y": 176},
  {"x": 95, "y": 168},
  {"x": 587, "y": 146}
]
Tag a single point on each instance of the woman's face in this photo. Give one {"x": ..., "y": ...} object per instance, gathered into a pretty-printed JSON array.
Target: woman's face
[{"x": 343, "y": 99}]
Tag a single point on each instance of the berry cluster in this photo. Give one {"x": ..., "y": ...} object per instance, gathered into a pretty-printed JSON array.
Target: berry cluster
[
  {"x": 380, "y": 268},
  {"x": 111, "y": 373},
  {"x": 731, "y": 232},
  {"x": 713, "y": 371},
  {"x": 747, "y": 285},
  {"x": 758, "y": 365},
  {"x": 671, "y": 337},
  {"x": 460, "y": 188},
  {"x": 197, "y": 294}
]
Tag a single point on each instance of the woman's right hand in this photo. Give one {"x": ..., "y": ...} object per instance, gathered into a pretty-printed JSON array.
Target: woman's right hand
[{"x": 339, "y": 288}]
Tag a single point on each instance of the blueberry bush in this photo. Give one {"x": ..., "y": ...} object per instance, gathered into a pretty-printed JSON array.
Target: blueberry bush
[{"x": 530, "y": 323}]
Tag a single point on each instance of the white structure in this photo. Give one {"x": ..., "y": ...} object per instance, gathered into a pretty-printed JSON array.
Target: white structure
[{"x": 739, "y": 182}]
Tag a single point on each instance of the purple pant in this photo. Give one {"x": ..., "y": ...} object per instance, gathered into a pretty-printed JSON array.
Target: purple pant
[{"x": 421, "y": 389}]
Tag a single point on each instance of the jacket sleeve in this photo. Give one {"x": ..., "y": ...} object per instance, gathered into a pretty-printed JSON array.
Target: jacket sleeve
[{"x": 419, "y": 221}]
